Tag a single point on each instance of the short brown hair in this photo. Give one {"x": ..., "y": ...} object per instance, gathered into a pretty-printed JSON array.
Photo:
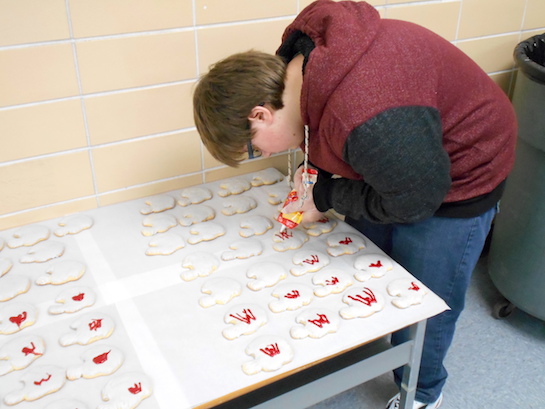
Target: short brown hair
[{"x": 225, "y": 96}]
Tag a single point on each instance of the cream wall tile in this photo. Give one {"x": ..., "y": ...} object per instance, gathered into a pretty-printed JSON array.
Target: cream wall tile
[
  {"x": 30, "y": 21},
  {"x": 441, "y": 18},
  {"x": 535, "y": 15},
  {"x": 220, "y": 11},
  {"x": 216, "y": 43},
  {"x": 45, "y": 181},
  {"x": 491, "y": 53},
  {"x": 125, "y": 115},
  {"x": 37, "y": 74},
  {"x": 41, "y": 129},
  {"x": 486, "y": 17},
  {"x": 279, "y": 162},
  {"x": 143, "y": 161},
  {"x": 127, "y": 62},
  {"x": 105, "y": 17}
]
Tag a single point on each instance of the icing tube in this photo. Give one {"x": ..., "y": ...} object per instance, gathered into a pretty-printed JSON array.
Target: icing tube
[{"x": 292, "y": 220}]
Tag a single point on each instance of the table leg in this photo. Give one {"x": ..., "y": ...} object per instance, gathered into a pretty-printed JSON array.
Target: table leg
[{"x": 411, "y": 369}]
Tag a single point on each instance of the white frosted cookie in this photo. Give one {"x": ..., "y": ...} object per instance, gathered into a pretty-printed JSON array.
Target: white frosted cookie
[
  {"x": 158, "y": 223},
  {"x": 2, "y": 243},
  {"x": 67, "y": 404},
  {"x": 205, "y": 232},
  {"x": 196, "y": 214},
  {"x": 277, "y": 194},
  {"x": 219, "y": 291},
  {"x": 238, "y": 205},
  {"x": 88, "y": 328},
  {"x": 308, "y": 261},
  {"x": 193, "y": 195},
  {"x": 322, "y": 226},
  {"x": 372, "y": 266},
  {"x": 245, "y": 319},
  {"x": 13, "y": 285},
  {"x": 407, "y": 292},
  {"x": 362, "y": 302},
  {"x": 315, "y": 323},
  {"x": 16, "y": 316},
  {"x": 28, "y": 236},
  {"x": 43, "y": 251},
  {"x": 269, "y": 352},
  {"x": 268, "y": 176},
  {"x": 5, "y": 265},
  {"x": 233, "y": 187},
  {"x": 165, "y": 244},
  {"x": 243, "y": 249},
  {"x": 38, "y": 382},
  {"x": 344, "y": 243},
  {"x": 331, "y": 282},
  {"x": 62, "y": 272},
  {"x": 255, "y": 225},
  {"x": 289, "y": 240},
  {"x": 125, "y": 391},
  {"x": 98, "y": 360},
  {"x": 73, "y": 224},
  {"x": 199, "y": 264},
  {"x": 290, "y": 297},
  {"x": 265, "y": 274},
  {"x": 72, "y": 300},
  {"x": 158, "y": 204},
  {"x": 18, "y": 353}
]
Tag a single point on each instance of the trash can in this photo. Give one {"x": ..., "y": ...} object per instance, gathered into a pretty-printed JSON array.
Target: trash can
[{"x": 516, "y": 260}]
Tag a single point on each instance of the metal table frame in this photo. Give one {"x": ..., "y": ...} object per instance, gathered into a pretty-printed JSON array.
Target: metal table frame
[{"x": 336, "y": 375}]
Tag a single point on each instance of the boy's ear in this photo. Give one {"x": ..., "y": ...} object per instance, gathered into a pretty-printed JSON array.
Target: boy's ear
[{"x": 260, "y": 115}]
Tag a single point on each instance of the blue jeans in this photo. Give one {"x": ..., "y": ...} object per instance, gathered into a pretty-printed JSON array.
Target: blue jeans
[{"x": 442, "y": 253}]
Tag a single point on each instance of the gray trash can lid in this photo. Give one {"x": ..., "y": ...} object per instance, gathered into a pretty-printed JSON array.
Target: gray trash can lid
[{"x": 530, "y": 57}]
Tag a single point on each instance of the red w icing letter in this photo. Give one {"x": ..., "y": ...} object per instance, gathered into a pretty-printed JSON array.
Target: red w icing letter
[
  {"x": 312, "y": 260},
  {"x": 377, "y": 264},
  {"x": 332, "y": 281},
  {"x": 38, "y": 383},
  {"x": 346, "y": 241},
  {"x": 284, "y": 235},
  {"x": 370, "y": 299},
  {"x": 247, "y": 317},
  {"x": 321, "y": 321},
  {"x": 292, "y": 295},
  {"x": 414, "y": 287},
  {"x": 95, "y": 324},
  {"x": 271, "y": 350},
  {"x": 136, "y": 388}
]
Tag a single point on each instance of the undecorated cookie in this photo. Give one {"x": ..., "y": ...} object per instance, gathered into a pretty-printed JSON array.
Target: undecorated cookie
[
  {"x": 268, "y": 176},
  {"x": 243, "y": 249},
  {"x": 277, "y": 194},
  {"x": 62, "y": 272},
  {"x": 362, "y": 302},
  {"x": 73, "y": 224},
  {"x": 199, "y": 264},
  {"x": 72, "y": 300},
  {"x": 196, "y": 214},
  {"x": 5, "y": 265},
  {"x": 98, "y": 360},
  {"x": 289, "y": 240},
  {"x": 16, "y": 316},
  {"x": 38, "y": 382},
  {"x": 315, "y": 323},
  {"x": 269, "y": 352},
  {"x": 13, "y": 285},
  {"x": 194, "y": 195},
  {"x": 43, "y": 251},
  {"x": 238, "y": 205},
  {"x": 290, "y": 297},
  {"x": 219, "y": 291},
  {"x": 158, "y": 204},
  {"x": 233, "y": 187},
  {"x": 372, "y": 266},
  {"x": 265, "y": 274},
  {"x": 245, "y": 319},
  {"x": 344, "y": 243},
  {"x": 407, "y": 292},
  {"x": 88, "y": 328},
  {"x": 330, "y": 281},
  {"x": 20, "y": 352},
  {"x": 255, "y": 225},
  {"x": 165, "y": 244},
  {"x": 28, "y": 236},
  {"x": 205, "y": 232},
  {"x": 308, "y": 261},
  {"x": 322, "y": 226},
  {"x": 158, "y": 223},
  {"x": 125, "y": 391}
]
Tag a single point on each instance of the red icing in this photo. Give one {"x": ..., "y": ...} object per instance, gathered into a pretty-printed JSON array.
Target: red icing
[
  {"x": 100, "y": 359},
  {"x": 19, "y": 319},
  {"x": 332, "y": 281},
  {"x": 38, "y": 383},
  {"x": 136, "y": 388},
  {"x": 271, "y": 350},
  {"x": 95, "y": 324},
  {"x": 370, "y": 299},
  {"x": 30, "y": 350},
  {"x": 79, "y": 297},
  {"x": 312, "y": 260},
  {"x": 284, "y": 235},
  {"x": 321, "y": 321},
  {"x": 293, "y": 294},
  {"x": 323, "y": 220},
  {"x": 346, "y": 241},
  {"x": 377, "y": 264},
  {"x": 247, "y": 317},
  {"x": 414, "y": 287}
]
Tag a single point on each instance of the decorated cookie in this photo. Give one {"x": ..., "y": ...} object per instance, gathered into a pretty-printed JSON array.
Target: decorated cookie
[
  {"x": 243, "y": 249},
  {"x": 72, "y": 300},
  {"x": 205, "y": 232},
  {"x": 322, "y": 226},
  {"x": 289, "y": 240},
  {"x": 331, "y": 282},
  {"x": 238, "y": 205},
  {"x": 158, "y": 223},
  {"x": 165, "y": 244},
  {"x": 372, "y": 265},
  {"x": 62, "y": 272},
  {"x": 98, "y": 360},
  {"x": 16, "y": 316},
  {"x": 219, "y": 291},
  {"x": 5, "y": 265},
  {"x": 88, "y": 328},
  {"x": 269, "y": 352},
  {"x": 196, "y": 214},
  {"x": 255, "y": 226},
  {"x": 290, "y": 297},
  {"x": 125, "y": 391},
  {"x": 43, "y": 251},
  {"x": 245, "y": 319},
  {"x": 158, "y": 204},
  {"x": 28, "y": 236},
  {"x": 277, "y": 194},
  {"x": 407, "y": 292},
  {"x": 267, "y": 177},
  {"x": 265, "y": 274},
  {"x": 67, "y": 404},
  {"x": 73, "y": 224},
  {"x": 315, "y": 323},
  {"x": 362, "y": 302},
  {"x": 233, "y": 187},
  {"x": 20, "y": 352},
  {"x": 199, "y": 264},
  {"x": 194, "y": 195},
  {"x": 307, "y": 261},
  {"x": 344, "y": 243},
  {"x": 38, "y": 382},
  {"x": 13, "y": 285}
]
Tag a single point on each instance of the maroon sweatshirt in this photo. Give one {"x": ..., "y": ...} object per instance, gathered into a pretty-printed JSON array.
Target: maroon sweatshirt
[{"x": 412, "y": 126}]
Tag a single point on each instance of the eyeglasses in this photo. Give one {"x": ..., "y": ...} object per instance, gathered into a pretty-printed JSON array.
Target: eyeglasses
[{"x": 252, "y": 153}]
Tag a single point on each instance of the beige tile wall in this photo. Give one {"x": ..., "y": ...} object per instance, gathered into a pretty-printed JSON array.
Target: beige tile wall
[{"x": 95, "y": 101}]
